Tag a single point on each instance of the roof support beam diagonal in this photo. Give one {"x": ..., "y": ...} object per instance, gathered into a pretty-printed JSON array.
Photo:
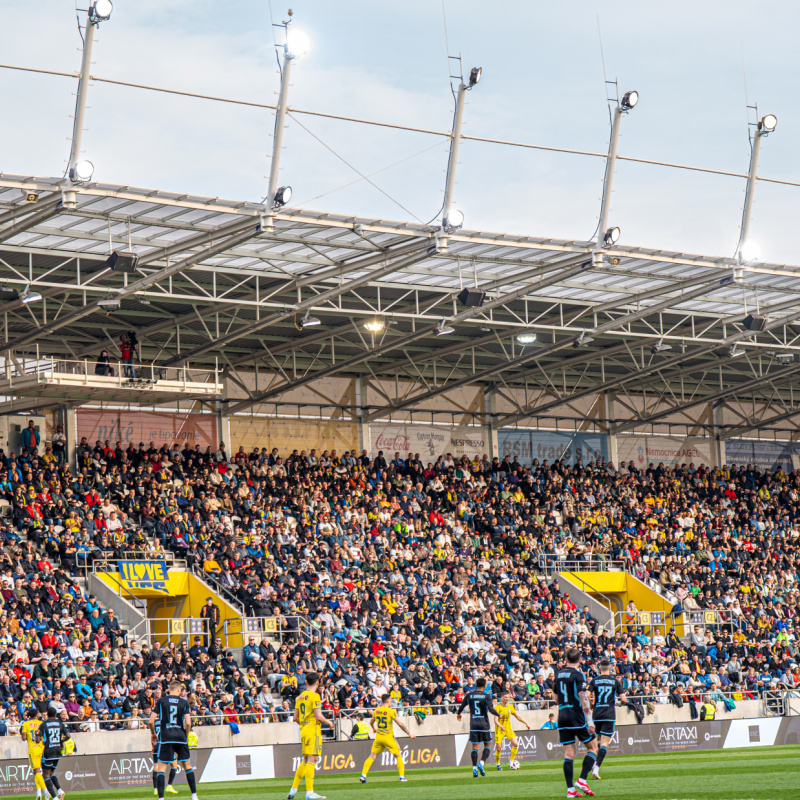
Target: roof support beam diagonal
[
  {"x": 740, "y": 430},
  {"x": 15, "y": 214},
  {"x": 40, "y": 214}
]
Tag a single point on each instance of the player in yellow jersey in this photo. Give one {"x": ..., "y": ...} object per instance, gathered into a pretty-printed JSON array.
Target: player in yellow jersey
[
  {"x": 29, "y": 731},
  {"x": 308, "y": 714},
  {"x": 384, "y": 717},
  {"x": 503, "y": 730}
]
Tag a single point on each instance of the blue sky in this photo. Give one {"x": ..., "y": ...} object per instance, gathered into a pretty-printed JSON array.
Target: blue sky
[{"x": 542, "y": 83}]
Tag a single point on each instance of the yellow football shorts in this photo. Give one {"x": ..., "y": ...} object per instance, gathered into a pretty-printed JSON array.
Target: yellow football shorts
[
  {"x": 383, "y": 742},
  {"x": 503, "y": 733},
  {"x": 35, "y": 757},
  {"x": 311, "y": 740}
]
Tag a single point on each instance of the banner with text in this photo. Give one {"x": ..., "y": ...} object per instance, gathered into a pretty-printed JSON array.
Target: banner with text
[
  {"x": 430, "y": 441},
  {"x": 764, "y": 455},
  {"x": 671, "y": 451},
  {"x": 147, "y": 426},
  {"x": 527, "y": 445},
  {"x": 150, "y": 575}
]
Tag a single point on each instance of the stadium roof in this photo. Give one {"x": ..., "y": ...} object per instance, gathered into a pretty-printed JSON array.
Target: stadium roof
[{"x": 224, "y": 289}]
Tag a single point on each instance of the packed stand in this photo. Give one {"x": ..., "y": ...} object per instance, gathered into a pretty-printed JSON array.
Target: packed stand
[{"x": 395, "y": 575}]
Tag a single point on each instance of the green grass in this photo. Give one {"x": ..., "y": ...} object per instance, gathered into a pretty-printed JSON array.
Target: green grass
[{"x": 771, "y": 773}]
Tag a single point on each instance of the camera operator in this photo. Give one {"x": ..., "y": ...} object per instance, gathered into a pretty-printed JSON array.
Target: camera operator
[{"x": 128, "y": 350}]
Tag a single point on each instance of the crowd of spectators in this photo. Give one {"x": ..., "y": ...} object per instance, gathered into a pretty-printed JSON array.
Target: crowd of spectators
[{"x": 388, "y": 573}]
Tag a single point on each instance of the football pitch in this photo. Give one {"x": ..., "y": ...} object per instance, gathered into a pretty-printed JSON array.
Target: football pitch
[{"x": 768, "y": 773}]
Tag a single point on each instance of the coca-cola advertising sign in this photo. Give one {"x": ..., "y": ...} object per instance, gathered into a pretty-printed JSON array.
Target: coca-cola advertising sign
[{"x": 430, "y": 441}]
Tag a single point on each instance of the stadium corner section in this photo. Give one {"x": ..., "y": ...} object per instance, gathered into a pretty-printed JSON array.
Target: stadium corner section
[
  {"x": 608, "y": 594},
  {"x": 172, "y": 601}
]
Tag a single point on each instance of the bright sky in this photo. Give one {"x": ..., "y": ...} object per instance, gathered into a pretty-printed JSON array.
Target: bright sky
[{"x": 542, "y": 83}]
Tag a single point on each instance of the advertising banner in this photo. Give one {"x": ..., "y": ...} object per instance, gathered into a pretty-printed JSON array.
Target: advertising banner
[
  {"x": 671, "y": 451},
  {"x": 147, "y": 426},
  {"x": 527, "y": 445},
  {"x": 764, "y": 455},
  {"x": 430, "y": 441}
]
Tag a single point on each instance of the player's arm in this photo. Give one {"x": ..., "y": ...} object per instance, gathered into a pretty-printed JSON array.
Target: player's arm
[
  {"x": 514, "y": 713},
  {"x": 463, "y": 705},
  {"x": 372, "y": 724},
  {"x": 296, "y": 715},
  {"x": 587, "y": 709},
  {"x": 319, "y": 718},
  {"x": 187, "y": 723},
  {"x": 404, "y": 729},
  {"x": 493, "y": 710}
]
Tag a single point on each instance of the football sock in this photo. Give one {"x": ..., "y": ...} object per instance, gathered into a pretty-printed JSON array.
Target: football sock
[
  {"x": 155, "y": 776},
  {"x": 310, "y": 769},
  {"x": 514, "y": 751},
  {"x": 160, "y": 784},
  {"x": 39, "y": 781},
  {"x": 171, "y": 776},
  {"x": 191, "y": 780},
  {"x": 50, "y": 788},
  {"x": 588, "y": 762},
  {"x": 474, "y": 757},
  {"x": 485, "y": 755},
  {"x": 401, "y": 767},
  {"x": 298, "y": 775},
  {"x": 54, "y": 779},
  {"x": 367, "y": 765},
  {"x": 568, "y": 772},
  {"x": 498, "y": 755},
  {"x": 601, "y": 754}
]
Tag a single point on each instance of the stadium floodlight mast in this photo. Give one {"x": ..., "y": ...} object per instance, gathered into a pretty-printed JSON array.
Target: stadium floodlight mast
[
  {"x": 296, "y": 45},
  {"x": 81, "y": 171},
  {"x": 608, "y": 235},
  {"x": 452, "y": 218},
  {"x": 746, "y": 249}
]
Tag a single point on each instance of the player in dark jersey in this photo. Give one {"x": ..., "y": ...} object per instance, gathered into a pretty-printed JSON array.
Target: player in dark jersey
[
  {"x": 575, "y": 722},
  {"x": 606, "y": 689},
  {"x": 54, "y": 733},
  {"x": 174, "y": 719},
  {"x": 173, "y": 767},
  {"x": 480, "y": 731}
]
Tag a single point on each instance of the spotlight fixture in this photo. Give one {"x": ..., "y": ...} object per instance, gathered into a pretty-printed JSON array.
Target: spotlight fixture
[
  {"x": 785, "y": 358},
  {"x": 27, "y": 295},
  {"x": 474, "y": 76},
  {"x": 110, "y": 303},
  {"x": 768, "y": 123},
  {"x": 755, "y": 322},
  {"x": 283, "y": 196},
  {"x": 471, "y": 297},
  {"x": 629, "y": 100},
  {"x": 122, "y": 261},
  {"x": 583, "y": 340},
  {"x": 297, "y": 44},
  {"x": 308, "y": 321},
  {"x": 735, "y": 352},
  {"x": 454, "y": 219},
  {"x": 443, "y": 329},
  {"x": 375, "y": 325},
  {"x": 31, "y": 197},
  {"x": 81, "y": 172},
  {"x": 100, "y": 10},
  {"x": 526, "y": 337},
  {"x": 660, "y": 346},
  {"x": 145, "y": 301},
  {"x": 750, "y": 251},
  {"x": 611, "y": 236}
]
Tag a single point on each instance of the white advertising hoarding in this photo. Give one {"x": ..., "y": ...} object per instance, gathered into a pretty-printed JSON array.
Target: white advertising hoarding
[
  {"x": 670, "y": 450},
  {"x": 430, "y": 441}
]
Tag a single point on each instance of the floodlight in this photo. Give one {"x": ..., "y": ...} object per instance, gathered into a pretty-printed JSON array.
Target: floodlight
[
  {"x": 768, "y": 123},
  {"x": 82, "y": 171},
  {"x": 443, "y": 329},
  {"x": 785, "y": 358},
  {"x": 31, "y": 197},
  {"x": 474, "y": 76},
  {"x": 145, "y": 301},
  {"x": 750, "y": 251},
  {"x": 583, "y": 340},
  {"x": 611, "y": 236},
  {"x": 454, "y": 219},
  {"x": 629, "y": 100},
  {"x": 100, "y": 10},
  {"x": 283, "y": 195},
  {"x": 110, "y": 303},
  {"x": 660, "y": 346},
  {"x": 297, "y": 44},
  {"x": 308, "y": 321},
  {"x": 374, "y": 325},
  {"x": 526, "y": 337},
  {"x": 28, "y": 295},
  {"x": 735, "y": 352}
]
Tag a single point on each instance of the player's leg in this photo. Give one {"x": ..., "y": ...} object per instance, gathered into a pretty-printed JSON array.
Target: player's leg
[
  {"x": 46, "y": 773},
  {"x": 377, "y": 749},
  {"x": 514, "y": 749},
  {"x": 498, "y": 749},
  {"x": 487, "y": 751},
  {"x": 311, "y": 768},
  {"x": 569, "y": 757},
  {"x": 173, "y": 771},
  {"x": 589, "y": 760},
  {"x": 602, "y": 750},
  {"x": 474, "y": 754},
  {"x": 54, "y": 780},
  {"x": 35, "y": 760},
  {"x": 166, "y": 756}
]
